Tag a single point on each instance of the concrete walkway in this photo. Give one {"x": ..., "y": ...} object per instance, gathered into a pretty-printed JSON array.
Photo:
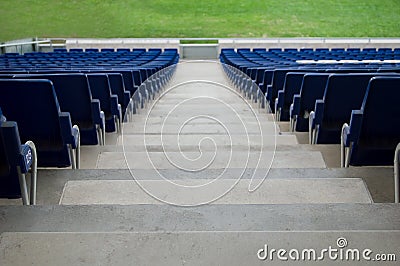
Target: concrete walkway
[{"x": 201, "y": 122}]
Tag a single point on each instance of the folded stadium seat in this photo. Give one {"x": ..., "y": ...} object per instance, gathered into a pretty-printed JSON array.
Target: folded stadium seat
[
  {"x": 291, "y": 50},
  {"x": 74, "y": 96},
  {"x": 267, "y": 79},
  {"x": 15, "y": 162},
  {"x": 123, "y": 50},
  {"x": 157, "y": 50},
  {"x": 124, "y": 97},
  {"x": 92, "y": 50},
  {"x": 312, "y": 88},
  {"x": 306, "y": 50},
  {"x": 292, "y": 86},
  {"x": 139, "y": 50},
  {"x": 278, "y": 79},
  {"x": 34, "y": 106},
  {"x": 100, "y": 88},
  {"x": 353, "y": 50},
  {"x": 275, "y": 50},
  {"x": 257, "y": 50},
  {"x": 343, "y": 93},
  {"x": 107, "y": 50},
  {"x": 374, "y": 130},
  {"x": 76, "y": 50}
]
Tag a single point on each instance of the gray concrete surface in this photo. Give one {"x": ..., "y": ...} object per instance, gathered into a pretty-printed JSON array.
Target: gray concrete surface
[
  {"x": 188, "y": 248},
  {"x": 194, "y": 191}
]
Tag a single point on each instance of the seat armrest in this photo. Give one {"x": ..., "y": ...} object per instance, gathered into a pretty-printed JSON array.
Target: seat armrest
[
  {"x": 127, "y": 97},
  {"x": 268, "y": 93},
  {"x": 13, "y": 145},
  {"x": 96, "y": 112},
  {"x": 280, "y": 99},
  {"x": 296, "y": 105},
  {"x": 318, "y": 113},
  {"x": 114, "y": 105},
  {"x": 66, "y": 129},
  {"x": 353, "y": 132}
]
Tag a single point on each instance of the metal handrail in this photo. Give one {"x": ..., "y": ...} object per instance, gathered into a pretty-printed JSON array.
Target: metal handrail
[{"x": 24, "y": 43}]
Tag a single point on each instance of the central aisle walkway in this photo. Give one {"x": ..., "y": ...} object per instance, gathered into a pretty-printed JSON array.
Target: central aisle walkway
[{"x": 200, "y": 141}]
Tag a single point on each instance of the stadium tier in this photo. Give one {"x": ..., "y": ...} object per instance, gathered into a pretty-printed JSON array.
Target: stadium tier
[{"x": 292, "y": 140}]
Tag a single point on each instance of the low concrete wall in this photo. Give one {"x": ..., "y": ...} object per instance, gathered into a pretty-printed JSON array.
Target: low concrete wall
[
  {"x": 122, "y": 43},
  {"x": 199, "y": 51},
  {"x": 310, "y": 43},
  {"x": 211, "y": 51}
]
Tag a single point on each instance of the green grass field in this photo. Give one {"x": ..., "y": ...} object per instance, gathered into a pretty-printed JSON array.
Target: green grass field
[{"x": 200, "y": 18}]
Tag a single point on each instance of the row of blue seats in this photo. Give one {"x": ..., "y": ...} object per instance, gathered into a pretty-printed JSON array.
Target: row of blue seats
[
  {"x": 42, "y": 119},
  {"x": 298, "y": 93},
  {"x": 97, "y": 102},
  {"x": 82, "y": 59},
  {"x": 259, "y": 57},
  {"x": 361, "y": 112},
  {"x": 60, "y": 108}
]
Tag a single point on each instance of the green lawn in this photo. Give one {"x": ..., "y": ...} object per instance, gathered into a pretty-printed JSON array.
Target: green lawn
[{"x": 200, "y": 18}]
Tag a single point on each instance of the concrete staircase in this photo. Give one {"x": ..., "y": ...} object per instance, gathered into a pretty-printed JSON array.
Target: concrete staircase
[{"x": 201, "y": 176}]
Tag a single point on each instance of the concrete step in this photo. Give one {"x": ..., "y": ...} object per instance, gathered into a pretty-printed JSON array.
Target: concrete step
[
  {"x": 215, "y": 217},
  {"x": 194, "y": 139},
  {"x": 142, "y": 118},
  {"x": 51, "y": 182},
  {"x": 216, "y": 128},
  {"x": 90, "y": 154},
  {"x": 213, "y": 234},
  {"x": 192, "y": 192},
  {"x": 190, "y": 248},
  {"x": 196, "y": 161}
]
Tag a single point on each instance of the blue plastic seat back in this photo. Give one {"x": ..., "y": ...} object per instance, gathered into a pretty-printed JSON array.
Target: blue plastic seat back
[
  {"x": 73, "y": 95},
  {"x": 126, "y": 75},
  {"x": 278, "y": 80},
  {"x": 380, "y": 130},
  {"x": 137, "y": 80},
  {"x": 100, "y": 88},
  {"x": 10, "y": 146},
  {"x": 343, "y": 93},
  {"x": 33, "y": 105},
  {"x": 292, "y": 86},
  {"x": 312, "y": 89},
  {"x": 381, "y": 121},
  {"x": 117, "y": 87}
]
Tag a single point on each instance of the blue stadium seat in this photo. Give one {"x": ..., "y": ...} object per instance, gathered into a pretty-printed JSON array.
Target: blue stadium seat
[
  {"x": 15, "y": 162},
  {"x": 107, "y": 50},
  {"x": 76, "y": 50},
  {"x": 92, "y": 50},
  {"x": 312, "y": 88},
  {"x": 343, "y": 93},
  {"x": 74, "y": 96},
  {"x": 374, "y": 130},
  {"x": 291, "y": 87},
  {"x": 34, "y": 106},
  {"x": 124, "y": 97},
  {"x": 278, "y": 79},
  {"x": 100, "y": 88},
  {"x": 123, "y": 50}
]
